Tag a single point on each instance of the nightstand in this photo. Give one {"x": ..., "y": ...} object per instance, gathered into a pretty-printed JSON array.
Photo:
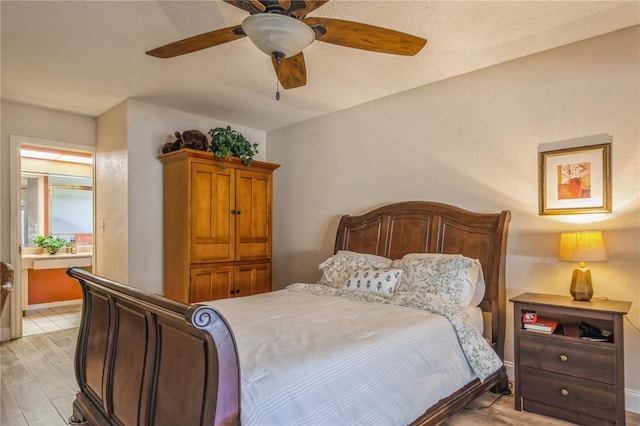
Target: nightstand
[{"x": 568, "y": 377}]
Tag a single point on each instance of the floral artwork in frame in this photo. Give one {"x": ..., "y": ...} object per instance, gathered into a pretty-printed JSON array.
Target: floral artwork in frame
[{"x": 576, "y": 180}]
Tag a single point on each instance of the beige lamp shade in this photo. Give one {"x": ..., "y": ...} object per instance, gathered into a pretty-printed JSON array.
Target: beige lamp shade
[{"x": 582, "y": 246}]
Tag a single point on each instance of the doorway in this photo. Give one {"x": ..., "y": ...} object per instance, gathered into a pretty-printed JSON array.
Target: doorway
[{"x": 52, "y": 195}]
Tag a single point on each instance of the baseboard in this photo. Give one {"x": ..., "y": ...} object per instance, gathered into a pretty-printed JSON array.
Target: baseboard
[
  {"x": 632, "y": 401},
  {"x": 5, "y": 334},
  {"x": 511, "y": 372},
  {"x": 54, "y": 304},
  {"x": 631, "y": 397}
]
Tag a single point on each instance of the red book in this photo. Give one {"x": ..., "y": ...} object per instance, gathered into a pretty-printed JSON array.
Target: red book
[{"x": 545, "y": 325}]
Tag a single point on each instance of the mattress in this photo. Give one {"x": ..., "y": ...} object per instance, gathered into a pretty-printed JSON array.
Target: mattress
[{"x": 321, "y": 359}]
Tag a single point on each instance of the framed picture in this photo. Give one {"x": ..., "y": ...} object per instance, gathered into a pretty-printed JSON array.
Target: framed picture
[{"x": 576, "y": 180}]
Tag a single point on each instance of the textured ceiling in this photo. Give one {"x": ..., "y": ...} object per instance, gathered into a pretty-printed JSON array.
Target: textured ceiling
[{"x": 87, "y": 56}]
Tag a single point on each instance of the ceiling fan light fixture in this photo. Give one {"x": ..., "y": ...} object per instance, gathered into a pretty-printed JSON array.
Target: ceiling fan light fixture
[{"x": 275, "y": 33}]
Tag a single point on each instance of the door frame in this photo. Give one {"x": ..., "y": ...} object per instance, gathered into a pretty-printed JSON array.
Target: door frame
[{"x": 15, "y": 168}]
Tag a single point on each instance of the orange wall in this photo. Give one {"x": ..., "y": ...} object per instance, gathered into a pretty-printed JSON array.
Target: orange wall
[{"x": 52, "y": 285}]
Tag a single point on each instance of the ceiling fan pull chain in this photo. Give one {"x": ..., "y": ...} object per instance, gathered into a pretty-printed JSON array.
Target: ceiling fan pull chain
[{"x": 277, "y": 56}]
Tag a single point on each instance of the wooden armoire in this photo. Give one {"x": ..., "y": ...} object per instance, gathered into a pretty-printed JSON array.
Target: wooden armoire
[{"x": 217, "y": 226}]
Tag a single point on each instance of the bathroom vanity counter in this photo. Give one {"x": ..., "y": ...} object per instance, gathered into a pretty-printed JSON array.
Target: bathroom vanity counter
[
  {"x": 55, "y": 261},
  {"x": 45, "y": 282}
]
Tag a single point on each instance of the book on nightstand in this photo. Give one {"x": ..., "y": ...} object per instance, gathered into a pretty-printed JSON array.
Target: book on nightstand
[
  {"x": 542, "y": 325},
  {"x": 571, "y": 330}
]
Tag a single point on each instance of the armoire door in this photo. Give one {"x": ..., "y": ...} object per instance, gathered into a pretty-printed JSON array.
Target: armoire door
[
  {"x": 211, "y": 283},
  {"x": 212, "y": 222},
  {"x": 253, "y": 279},
  {"x": 253, "y": 215}
]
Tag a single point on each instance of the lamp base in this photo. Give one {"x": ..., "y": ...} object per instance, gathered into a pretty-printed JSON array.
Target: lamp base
[{"x": 581, "y": 288}]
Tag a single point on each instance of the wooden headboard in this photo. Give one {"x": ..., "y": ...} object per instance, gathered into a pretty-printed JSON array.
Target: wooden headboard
[{"x": 427, "y": 227}]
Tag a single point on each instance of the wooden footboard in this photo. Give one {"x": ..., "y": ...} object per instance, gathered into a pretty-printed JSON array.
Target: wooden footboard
[{"x": 142, "y": 359}]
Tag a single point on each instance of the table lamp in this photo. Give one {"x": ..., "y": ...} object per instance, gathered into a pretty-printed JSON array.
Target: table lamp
[{"x": 582, "y": 246}]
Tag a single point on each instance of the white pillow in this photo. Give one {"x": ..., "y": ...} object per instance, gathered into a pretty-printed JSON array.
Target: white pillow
[
  {"x": 478, "y": 293},
  {"x": 371, "y": 257},
  {"x": 378, "y": 281},
  {"x": 337, "y": 268},
  {"x": 470, "y": 296},
  {"x": 444, "y": 276}
]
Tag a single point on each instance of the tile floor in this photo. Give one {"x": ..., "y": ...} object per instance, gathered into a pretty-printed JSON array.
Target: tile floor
[{"x": 46, "y": 320}]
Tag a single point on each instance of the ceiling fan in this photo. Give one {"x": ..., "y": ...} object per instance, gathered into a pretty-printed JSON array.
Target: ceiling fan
[{"x": 282, "y": 30}]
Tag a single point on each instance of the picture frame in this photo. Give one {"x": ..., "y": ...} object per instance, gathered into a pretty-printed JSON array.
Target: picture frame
[{"x": 575, "y": 180}]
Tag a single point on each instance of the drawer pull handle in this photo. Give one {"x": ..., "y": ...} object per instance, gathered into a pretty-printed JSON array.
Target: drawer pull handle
[
  {"x": 564, "y": 392},
  {"x": 564, "y": 358}
]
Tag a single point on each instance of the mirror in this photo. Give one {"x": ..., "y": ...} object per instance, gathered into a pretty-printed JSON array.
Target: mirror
[
  {"x": 69, "y": 206},
  {"x": 56, "y": 195}
]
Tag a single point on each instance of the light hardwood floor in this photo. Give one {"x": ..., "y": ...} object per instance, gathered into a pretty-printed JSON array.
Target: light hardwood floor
[
  {"x": 37, "y": 383},
  {"x": 37, "y": 387}
]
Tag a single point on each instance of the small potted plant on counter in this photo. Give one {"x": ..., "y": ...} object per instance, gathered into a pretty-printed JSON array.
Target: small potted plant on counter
[{"x": 52, "y": 244}]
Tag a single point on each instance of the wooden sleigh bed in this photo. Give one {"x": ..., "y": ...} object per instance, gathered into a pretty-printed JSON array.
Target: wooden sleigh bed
[{"x": 144, "y": 359}]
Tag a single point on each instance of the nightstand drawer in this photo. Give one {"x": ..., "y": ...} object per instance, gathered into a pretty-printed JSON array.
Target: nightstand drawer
[
  {"x": 583, "y": 397},
  {"x": 578, "y": 359}
]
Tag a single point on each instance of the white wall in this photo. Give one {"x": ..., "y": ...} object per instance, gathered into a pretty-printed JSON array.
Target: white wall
[
  {"x": 142, "y": 129},
  {"x": 472, "y": 141},
  {"x": 40, "y": 123}
]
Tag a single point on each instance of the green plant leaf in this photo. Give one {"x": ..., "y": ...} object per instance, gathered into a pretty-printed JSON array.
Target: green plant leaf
[
  {"x": 226, "y": 142},
  {"x": 52, "y": 243}
]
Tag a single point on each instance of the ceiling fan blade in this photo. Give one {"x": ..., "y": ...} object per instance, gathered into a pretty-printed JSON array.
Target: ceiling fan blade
[
  {"x": 198, "y": 42},
  {"x": 366, "y": 37},
  {"x": 251, "y": 6},
  {"x": 292, "y": 71},
  {"x": 284, "y": 4}
]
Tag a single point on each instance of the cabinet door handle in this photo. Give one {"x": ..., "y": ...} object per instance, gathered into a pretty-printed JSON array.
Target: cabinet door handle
[
  {"x": 237, "y": 291},
  {"x": 238, "y": 212},
  {"x": 564, "y": 392},
  {"x": 233, "y": 212},
  {"x": 564, "y": 358}
]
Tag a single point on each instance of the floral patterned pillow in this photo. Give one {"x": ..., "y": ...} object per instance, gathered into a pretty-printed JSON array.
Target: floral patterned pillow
[
  {"x": 337, "y": 269},
  {"x": 471, "y": 295},
  {"x": 378, "y": 281},
  {"x": 445, "y": 277}
]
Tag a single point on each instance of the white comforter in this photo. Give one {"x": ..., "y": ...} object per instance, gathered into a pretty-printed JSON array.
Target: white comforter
[{"x": 313, "y": 358}]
